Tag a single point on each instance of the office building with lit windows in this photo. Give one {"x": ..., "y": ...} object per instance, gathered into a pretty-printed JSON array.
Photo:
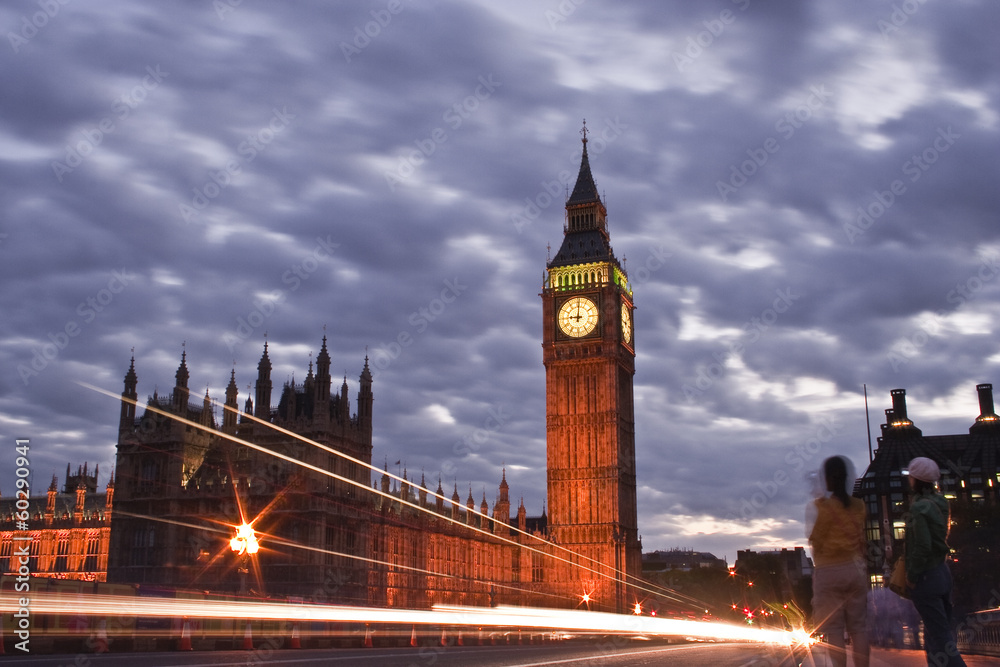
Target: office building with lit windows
[{"x": 969, "y": 480}]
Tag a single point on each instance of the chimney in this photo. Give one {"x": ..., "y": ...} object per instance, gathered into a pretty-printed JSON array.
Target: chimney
[
  {"x": 897, "y": 423},
  {"x": 987, "y": 421},
  {"x": 985, "y": 400},
  {"x": 899, "y": 404}
]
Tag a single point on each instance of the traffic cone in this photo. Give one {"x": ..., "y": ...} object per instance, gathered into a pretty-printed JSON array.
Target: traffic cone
[
  {"x": 413, "y": 636},
  {"x": 248, "y": 638},
  {"x": 101, "y": 645},
  {"x": 444, "y": 637},
  {"x": 185, "y": 643},
  {"x": 295, "y": 641},
  {"x": 480, "y": 636},
  {"x": 368, "y": 636},
  {"x": 459, "y": 642}
]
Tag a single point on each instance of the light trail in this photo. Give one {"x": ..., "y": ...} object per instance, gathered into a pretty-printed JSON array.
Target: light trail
[
  {"x": 271, "y": 539},
  {"x": 615, "y": 575},
  {"x": 441, "y": 615}
]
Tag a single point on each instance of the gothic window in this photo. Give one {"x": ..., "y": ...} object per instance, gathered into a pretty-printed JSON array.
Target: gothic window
[
  {"x": 143, "y": 543},
  {"x": 537, "y": 571},
  {"x": 5, "y": 549},
  {"x": 148, "y": 476},
  {"x": 93, "y": 551},
  {"x": 62, "y": 551},
  {"x": 33, "y": 554}
]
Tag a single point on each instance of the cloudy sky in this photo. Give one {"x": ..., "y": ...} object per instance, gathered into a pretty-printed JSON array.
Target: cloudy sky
[{"x": 805, "y": 195}]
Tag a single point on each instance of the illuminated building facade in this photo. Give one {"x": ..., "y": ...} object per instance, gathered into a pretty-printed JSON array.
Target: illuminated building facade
[
  {"x": 185, "y": 481},
  {"x": 969, "y": 479},
  {"x": 589, "y": 355},
  {"x": 68, "y": 531}
]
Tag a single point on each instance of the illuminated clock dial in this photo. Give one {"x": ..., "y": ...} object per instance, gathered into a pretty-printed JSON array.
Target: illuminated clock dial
[
  {"x": 626, "y": 324},
  {"x": 578, "y": 316}
]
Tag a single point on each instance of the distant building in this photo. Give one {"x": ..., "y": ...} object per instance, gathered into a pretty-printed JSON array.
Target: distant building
[
  {"x": 969, "y": 476},
  {"x": 68, "y": 531},
  {"x": 679, "y": 559},
  {"x": 778, "y": 572}
]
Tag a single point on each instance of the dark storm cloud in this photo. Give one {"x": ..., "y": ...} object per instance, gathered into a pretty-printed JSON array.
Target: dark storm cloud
[{"x": 392, "y": 179}]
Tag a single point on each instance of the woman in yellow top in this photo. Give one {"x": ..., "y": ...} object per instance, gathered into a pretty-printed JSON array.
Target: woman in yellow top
[{"x": 840, "y": 580}]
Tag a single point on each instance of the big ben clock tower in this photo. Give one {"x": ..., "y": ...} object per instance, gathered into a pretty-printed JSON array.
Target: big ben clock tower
[{"x": 589, "y": 355}]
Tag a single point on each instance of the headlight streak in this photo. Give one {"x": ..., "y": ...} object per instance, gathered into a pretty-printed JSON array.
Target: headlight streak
[
  {"x": 609, "y": 571},
  {"x": 445, "y": 615}
]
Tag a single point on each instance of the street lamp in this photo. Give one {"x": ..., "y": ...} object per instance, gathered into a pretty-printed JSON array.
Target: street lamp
[{"x": 244, "y": 544}]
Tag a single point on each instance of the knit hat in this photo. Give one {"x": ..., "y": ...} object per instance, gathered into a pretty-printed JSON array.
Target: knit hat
[{"x": 924, "y": 469}]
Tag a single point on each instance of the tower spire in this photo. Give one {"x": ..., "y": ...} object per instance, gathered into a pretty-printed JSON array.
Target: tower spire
[
  {"x": 129, "y": 397},
  {"x": 181, "y": 386},
  {"x": 263, "y": 407},
  {"x": 585, "y": 190}
]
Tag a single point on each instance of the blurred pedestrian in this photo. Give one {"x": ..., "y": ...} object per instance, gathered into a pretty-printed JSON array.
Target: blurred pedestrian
[
  {"x": 927, "y": 571},
  {"x": 840, "y": 580}
]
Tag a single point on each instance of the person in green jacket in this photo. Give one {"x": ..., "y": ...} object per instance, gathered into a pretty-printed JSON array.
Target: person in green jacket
[{"x": 927, "y": 572}]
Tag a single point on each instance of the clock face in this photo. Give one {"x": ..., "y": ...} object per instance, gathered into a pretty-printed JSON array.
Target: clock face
[
  {"x": 626, "y": 325},
  {"x": 578, "y": 316}
]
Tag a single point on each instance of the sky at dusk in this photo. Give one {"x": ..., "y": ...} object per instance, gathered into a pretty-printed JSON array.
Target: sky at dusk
[{"x": 805, "y": 196}]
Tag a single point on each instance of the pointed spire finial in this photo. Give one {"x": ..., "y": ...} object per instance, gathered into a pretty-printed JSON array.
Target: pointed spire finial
[{"x": 584, "y": 133}]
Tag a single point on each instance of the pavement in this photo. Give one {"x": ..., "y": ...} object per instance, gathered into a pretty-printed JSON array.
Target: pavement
[{"x": 881, "y": 657}]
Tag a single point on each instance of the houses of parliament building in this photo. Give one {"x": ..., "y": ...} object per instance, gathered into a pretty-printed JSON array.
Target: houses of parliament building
[{"x": 295, "y": 463}]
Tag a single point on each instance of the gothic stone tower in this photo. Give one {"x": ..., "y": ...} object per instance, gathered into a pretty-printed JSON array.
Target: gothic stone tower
[{"x": 589, "y": 356}]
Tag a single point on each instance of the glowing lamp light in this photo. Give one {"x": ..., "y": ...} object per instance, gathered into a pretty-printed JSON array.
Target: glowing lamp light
[
  {"x": 637, "y": 609},
  {"x": 245, "y": 540}
]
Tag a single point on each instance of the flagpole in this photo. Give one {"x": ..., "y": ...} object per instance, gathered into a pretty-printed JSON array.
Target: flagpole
[{"x": 868, "y": 426}]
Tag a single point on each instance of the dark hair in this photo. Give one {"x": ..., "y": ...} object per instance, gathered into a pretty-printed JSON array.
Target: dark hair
[
  {"x": 835, "y": 471},
  {"x": 920, "y": 486}
]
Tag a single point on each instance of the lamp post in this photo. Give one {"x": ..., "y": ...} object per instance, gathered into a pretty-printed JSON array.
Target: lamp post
[{"x": 244, "y": 544}]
